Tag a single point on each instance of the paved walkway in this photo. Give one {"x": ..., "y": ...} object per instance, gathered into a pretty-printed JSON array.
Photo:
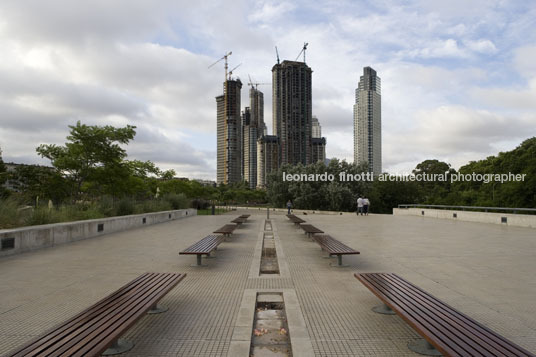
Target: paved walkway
[{"x": 484, "y": 270}]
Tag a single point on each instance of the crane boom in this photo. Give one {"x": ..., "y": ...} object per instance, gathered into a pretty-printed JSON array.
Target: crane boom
[
  {"x": 226, "y": 64},
  {"x": 277, "y": 54},
  {"x": 231, "y": 71},
  {"x": 305, "y": 44}
]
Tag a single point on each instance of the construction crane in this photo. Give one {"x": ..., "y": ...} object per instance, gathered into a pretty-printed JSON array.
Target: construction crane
[
  {"x": 226, "y": 64},
  {"x": 231, "y": 71},
  {"x": 256, "y": 84},
  {"x": 225, "y": 115},
  {"x": 305, "y": 44},
  {"x": 277, "y": 54}
]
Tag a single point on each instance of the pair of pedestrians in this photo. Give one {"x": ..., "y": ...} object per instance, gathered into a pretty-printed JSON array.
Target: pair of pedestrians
[{"x": 363, "y": 204}]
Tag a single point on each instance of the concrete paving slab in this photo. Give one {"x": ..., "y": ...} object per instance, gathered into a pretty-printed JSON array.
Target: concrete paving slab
[{"x": 483, "y": 270}]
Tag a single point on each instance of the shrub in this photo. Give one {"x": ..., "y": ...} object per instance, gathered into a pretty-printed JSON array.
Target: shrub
[
  {"x": 125, "y": 206},
  {"x": 44, "y": 215},
  {"x": 177, "y": 201},
  {"x": 9, "y": 213},
  {"x": 200, "y": 203},
  {"x": 153, "y": 206}
]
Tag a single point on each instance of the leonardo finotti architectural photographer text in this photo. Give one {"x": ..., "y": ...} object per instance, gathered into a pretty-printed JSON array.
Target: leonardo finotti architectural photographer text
[{"x": 368, "y": 176}]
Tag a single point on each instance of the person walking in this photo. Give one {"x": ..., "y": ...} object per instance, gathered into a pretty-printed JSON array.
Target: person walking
[
  {"x": 366, "y": 204},
  {"x": 359, "y": 206},
  {"x": 289, "y": 206}
]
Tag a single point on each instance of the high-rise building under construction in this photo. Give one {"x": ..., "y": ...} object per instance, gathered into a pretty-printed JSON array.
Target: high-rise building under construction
[
  {"x": 267, "y": 158},
  {"x": 229, "y": 131},
  {"x": 292, "y": 108},
  {"x": 368, "y": 121},
  {"x": 253, "y": 129}
]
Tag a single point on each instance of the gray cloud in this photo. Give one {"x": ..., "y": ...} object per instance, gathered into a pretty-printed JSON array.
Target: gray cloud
[{"x": 145, "y": 63}]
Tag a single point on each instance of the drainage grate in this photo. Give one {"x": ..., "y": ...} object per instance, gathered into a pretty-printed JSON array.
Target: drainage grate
[
  {"x": 270, "y": 327},
  {"x": 169, "y": 216},
  {"x": 422, "y": 212},
  {"x": 504, "y": 219},
  {"x": 454, "y": 215},
  {"x": 8, "y": 243},
  {"x": 269, "y": 263},
  {"x": 144, "y": 220},
  {"x": 100, "y": 227}
]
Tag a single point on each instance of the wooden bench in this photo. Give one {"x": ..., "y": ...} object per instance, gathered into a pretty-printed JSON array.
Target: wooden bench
[
  {"x": 226, "y": 230},
  {"x": 96, "y": 330},
  {"x": 310, "y": 229},
  {"x": 204, "y": 247},
  {"x": 445, "y": 330},
  {"x": 334, "y": 247},
  {"x": 239, "y": 220},
  {"x": 296, "y": 220}
]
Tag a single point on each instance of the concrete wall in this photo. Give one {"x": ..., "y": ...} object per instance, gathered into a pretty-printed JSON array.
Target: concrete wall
[
  {"x": 519, "y": 220},
  {"x": 284, "y": 210},
  {"x": 48, "y": 235}
]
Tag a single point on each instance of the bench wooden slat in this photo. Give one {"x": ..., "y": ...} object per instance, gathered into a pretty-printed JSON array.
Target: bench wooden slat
[
  {"x": 226, "y": 229},
  {"x": 422, "y": 322},
  {"x": 59, "y": 331},
  {"x": 333, "y": 246},
  {"x": 309, "y": 228},
  {"x": 295, "y": 219},
  {"x": 205, "y": 245},
  {"x": 105, "y": 324},
  {"x": 450, "y": 331},
  {"x": 456, "y": 319},
  {"x": 93, "y": 330},
  {"x": 124, "y": 322}
]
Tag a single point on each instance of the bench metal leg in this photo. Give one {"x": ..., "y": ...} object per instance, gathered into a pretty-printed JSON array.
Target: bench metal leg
[
  {"x": 339, "y": 262},
  {"x": 423, "y": 347},
  {"x": 157, "y": 309},
  {"x": 383, "y": 309},
  {"x": 199, "y": 262},
  {"x": 119, "y": 346}
]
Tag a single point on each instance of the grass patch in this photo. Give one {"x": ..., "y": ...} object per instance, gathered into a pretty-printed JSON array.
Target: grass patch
[
  {"x": 14, "y": 213},
  {"x": 208, "y": 212}
]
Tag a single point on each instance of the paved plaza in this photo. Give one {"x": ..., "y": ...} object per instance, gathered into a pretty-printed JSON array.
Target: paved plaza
[{"x": 484, "y": 270}]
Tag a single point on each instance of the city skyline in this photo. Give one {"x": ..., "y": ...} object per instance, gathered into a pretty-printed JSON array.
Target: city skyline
[{"x": 459, "y": 79}]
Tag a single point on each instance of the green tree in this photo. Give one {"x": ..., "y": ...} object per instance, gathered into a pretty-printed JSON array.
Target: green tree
[
  {"x": 434, "y": 191},
  {"x": 521, "y": 160},
  {"x": 317, "y": 195},
  {"x": 43, "y": 182},
  {"x": 94, "y": 161}
]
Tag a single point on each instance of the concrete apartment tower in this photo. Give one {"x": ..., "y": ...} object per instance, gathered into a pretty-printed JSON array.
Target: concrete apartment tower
[
  {"x": 368, "y": 121},
  {"x": 292, "y": 107},
  {"x": 316, "y": 131},
  {"x": 253, "y": 128},
  {"x": 267, "y": 158},
  {"x": 318, "y": 143},
  {"x": 318, "y": 150},
  {"x": 229, "y": 160}
]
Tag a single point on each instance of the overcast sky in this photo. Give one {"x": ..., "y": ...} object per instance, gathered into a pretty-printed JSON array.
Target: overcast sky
[{"x": 458, "y": 77}]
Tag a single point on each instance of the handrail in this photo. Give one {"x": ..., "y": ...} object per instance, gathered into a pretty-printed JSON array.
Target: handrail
[{"x": 463, "y": 208}]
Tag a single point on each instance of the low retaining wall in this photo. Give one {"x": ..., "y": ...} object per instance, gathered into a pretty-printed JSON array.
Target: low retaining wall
[
  {"x": 518, "y": 220},
  {"x": 20, "y": 240},
  {"x": 284, "y": 210}
]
